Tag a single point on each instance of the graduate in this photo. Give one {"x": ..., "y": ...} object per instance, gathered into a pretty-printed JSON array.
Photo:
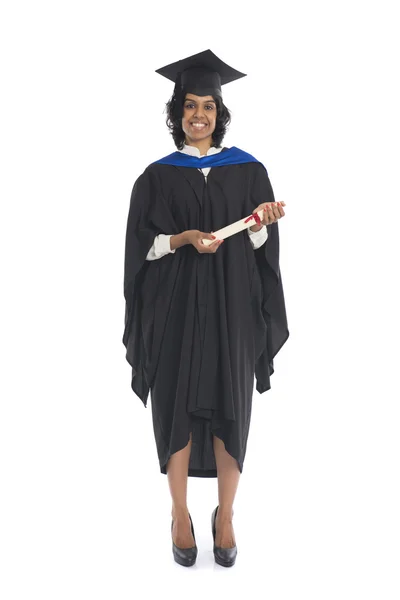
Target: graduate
[{"x": 205, "y": 313}]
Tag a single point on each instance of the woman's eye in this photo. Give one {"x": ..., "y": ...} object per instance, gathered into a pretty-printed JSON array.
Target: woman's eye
[{"x": 190, "y": 106}]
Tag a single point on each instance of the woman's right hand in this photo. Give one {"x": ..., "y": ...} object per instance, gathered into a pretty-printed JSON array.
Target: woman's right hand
[{"x": 194, "y": 237}]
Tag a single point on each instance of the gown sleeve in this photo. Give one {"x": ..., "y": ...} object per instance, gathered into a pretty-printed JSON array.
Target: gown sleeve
[
  {"x": 141, "y": 231},
  {"x": 273, "y": 300}
]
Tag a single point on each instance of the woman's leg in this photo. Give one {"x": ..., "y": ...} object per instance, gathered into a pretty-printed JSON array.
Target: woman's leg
[
  {"x": 228, "y": 480},
  {"x": 177, "y": 473}
]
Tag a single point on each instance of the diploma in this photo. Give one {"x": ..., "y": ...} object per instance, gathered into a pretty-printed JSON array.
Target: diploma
[{"x": 229, "y": 230}]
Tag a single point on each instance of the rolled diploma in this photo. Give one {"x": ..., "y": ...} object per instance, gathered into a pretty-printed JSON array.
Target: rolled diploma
[{"x": 229, "y": 230}]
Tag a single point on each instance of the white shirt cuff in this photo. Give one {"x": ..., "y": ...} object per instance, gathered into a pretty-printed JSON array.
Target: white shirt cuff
[
  {"x": 258, "y": 238},
  {"x": 160, "y": 247}
]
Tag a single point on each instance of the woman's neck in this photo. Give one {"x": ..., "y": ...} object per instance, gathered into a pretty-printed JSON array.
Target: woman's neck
[{"x": 202, "y": 145}]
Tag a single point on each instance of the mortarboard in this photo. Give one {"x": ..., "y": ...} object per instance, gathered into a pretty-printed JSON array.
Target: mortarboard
[{"x": 202, "y": 74}]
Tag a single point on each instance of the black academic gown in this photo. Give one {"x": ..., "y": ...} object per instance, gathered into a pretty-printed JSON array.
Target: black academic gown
[{"x": 200, "y": 327}]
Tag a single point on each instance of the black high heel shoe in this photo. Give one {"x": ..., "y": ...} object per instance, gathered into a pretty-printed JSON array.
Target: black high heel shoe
[
  {"x": 225, "y": 557},
  {"x": 185, "y": 556}
]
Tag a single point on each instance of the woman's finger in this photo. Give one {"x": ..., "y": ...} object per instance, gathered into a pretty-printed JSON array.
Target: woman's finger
[
  {"x": 275, "y": 212},
  {"x": 281, "y": 211},
  {"x": 217, "y": 244},
  {"x": 213, "y": 247},
  {"x": 264, "y": 220},
  {"x": 269, "y": 214}
]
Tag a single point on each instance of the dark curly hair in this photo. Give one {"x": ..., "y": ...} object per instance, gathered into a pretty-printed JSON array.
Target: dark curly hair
[{"x": 175, "y": 124}]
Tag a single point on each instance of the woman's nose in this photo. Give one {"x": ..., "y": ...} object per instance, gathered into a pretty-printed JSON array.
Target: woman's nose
[{"x": 199, "y": 112}]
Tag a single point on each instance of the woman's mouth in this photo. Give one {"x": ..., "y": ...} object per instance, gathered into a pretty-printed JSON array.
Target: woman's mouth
[{"x": 198, "y": 126}]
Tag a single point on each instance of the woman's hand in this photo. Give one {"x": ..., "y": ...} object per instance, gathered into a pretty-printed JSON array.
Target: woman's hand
[
  {"x": 272, "y": 211},
  {"x": 194, "y": 237}
]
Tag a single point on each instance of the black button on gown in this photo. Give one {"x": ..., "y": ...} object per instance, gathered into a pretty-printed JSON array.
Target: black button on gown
[{"x": 199, "y": 328}]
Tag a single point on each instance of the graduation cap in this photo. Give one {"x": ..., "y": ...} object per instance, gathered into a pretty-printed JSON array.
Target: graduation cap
[{"x": 202, "y": 74}]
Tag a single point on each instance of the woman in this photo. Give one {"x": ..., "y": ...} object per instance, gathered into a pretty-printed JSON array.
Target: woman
[{"x": 202, "y": 320}]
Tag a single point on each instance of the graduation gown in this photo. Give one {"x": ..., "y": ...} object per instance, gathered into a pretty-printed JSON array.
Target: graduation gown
[{"x": 200, "y": 327}]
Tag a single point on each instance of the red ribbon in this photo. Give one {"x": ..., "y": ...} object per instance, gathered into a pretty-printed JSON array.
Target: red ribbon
[{"x": 255, "y": 217}]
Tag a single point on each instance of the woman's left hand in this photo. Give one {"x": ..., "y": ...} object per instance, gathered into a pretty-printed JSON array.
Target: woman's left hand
[{"x": 272, "y": 211}]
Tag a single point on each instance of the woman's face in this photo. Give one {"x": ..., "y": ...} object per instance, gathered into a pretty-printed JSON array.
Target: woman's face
[{"x": 199, "y": 117}]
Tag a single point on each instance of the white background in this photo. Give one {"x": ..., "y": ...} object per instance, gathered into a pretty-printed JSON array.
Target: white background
[{"x": 85, "y": 511}]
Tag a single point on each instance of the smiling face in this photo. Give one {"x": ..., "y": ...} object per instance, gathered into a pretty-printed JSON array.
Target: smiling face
[{"x": 199, "y": 118}]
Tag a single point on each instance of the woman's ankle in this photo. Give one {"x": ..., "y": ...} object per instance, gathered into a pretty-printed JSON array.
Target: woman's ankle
[
  {"x": 225, "y": 513},
  {"x": 179, "y": 512}
]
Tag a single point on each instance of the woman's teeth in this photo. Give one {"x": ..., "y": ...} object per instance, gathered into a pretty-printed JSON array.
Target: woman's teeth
[{"x": 198, "y": 125}]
